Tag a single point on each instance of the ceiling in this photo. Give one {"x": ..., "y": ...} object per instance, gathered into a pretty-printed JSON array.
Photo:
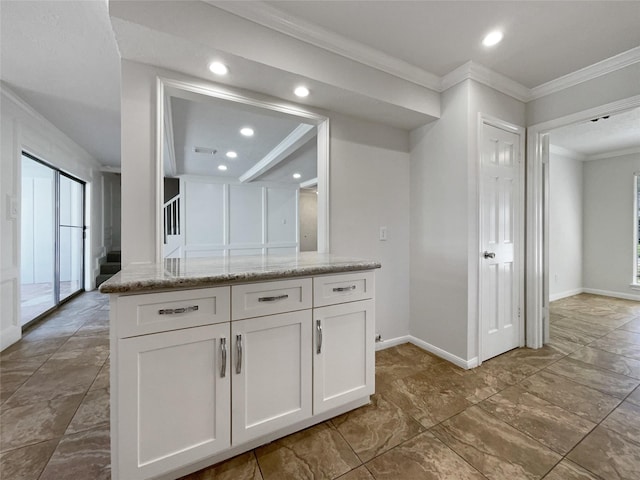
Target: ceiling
[
  {"x": 214, "y": 124},
  {"x": 590, "y": 138},
  {"x": 62, "y": 57}
]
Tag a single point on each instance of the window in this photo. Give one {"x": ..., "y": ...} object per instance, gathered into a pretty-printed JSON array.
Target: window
[{"x": 636, "y": 229}]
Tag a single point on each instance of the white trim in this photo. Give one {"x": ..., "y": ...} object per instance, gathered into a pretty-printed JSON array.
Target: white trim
[
  {"x": 481, "y": 74},
  {"x": 275, "y": 19},
  {"x": 565, "y": 294},
  {"x": 608, "y": 293},
  {"x": 392, "y": 342},
  {"x": 615, "y": 153},
  {"x": 536, "y": 156},
  {"x": 585, "y": 74},
  {"x": 312, "y": 182},
  {"x": 566, "y": 152},
  {"x": 450, "y": 357},
  {"x": 170, "y": 167}
]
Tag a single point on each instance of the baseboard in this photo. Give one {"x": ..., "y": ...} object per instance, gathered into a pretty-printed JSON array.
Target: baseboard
[
  {"x": 439, "y": 352},
  {"x": 607, "y": 293},
  {"x": 392, "y": 342},
  {"x": 10, "y": 336},
  {"x": 565, "y": 294}
]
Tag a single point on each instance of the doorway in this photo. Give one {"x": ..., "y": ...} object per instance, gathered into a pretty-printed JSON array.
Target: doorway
[{"x": 52, "y": 238}]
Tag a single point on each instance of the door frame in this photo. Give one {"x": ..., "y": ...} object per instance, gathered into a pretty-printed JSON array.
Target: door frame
[
  {"x": 537, "y": 270},
  {"x": 484, "y": 119}
]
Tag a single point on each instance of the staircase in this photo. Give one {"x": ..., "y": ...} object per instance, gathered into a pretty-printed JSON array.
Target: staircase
[{"x": 109, "y": 268}]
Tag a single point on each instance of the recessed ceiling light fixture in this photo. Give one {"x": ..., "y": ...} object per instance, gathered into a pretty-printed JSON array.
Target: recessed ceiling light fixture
[
  {"x": 301, "y": 91},
  {"x": 218, "y": 68},
  {"x": 232, "y": 154},
  {"x": 296, "y": 176},
  {"x": 222, "y": 168},
  {"x": 247, "y": 131},
  {"x": 492, "y": 38}
]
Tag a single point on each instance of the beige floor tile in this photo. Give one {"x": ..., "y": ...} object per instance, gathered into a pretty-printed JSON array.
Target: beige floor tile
[
  {"x": 605, "y": 381},
  {"x": 425, "y": 401},
  {"x": 573, "y": 397},
  {"x": 376, "y": 428},
  {"x": 634, "y": 397},
  {"x": 36, "y": 422},
  {"x": 567, "y": 470},
  {"x": 608, "y": 454},
  {"x": 608, "y": 361},
  {"x": 562, "y": 345},
  {"x": 422, "y": 458},
  {"x": 401, "y": 361},
  {"x": 496, "y": 449},
  {"x": 319, "y": 452},
  {"x": 84, "y": 455},
  {"x": 13, "y": 373},
  {"x": 25, "y": 348},
  {"x": 582, "y": 327},
  {"x": 360, "y": 473},
  {"x": 563, "y": 333},
  {"x": 103, "y": 379},
  {"x": 618, "y": 347},
  {"x": 242, "y": 467},
  {"x": 555, "y": 427},
  {"x": 625, "y": 420},
  {"x": 632, "y": 326},
  {"x": 26, "y": 463},
  {"x": 92, "y": 412},
  {"x": 624, "y": 336}
]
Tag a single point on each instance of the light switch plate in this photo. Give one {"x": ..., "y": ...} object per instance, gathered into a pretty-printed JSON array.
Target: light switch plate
[
  {"x": 12, "y": 202},
  {"x": 383, "y": 234}
]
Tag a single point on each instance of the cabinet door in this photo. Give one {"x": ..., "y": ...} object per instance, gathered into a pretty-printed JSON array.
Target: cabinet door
[
  {"x": 344, "y": 356},
  {"x": 271, "y": 373},
  {"x": 173, "y": 399}
]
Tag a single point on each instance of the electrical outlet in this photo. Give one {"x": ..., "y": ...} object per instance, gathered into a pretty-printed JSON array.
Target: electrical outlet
[{"x": 383, "y": 234}]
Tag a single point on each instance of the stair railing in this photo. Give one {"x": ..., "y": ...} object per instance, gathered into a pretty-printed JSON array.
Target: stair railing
[{"x": 172, "y": 217}]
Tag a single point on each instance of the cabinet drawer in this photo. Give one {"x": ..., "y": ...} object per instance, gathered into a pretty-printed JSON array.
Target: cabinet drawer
[
  {"x": 160, "y": 312},
  {"x": 268, "y": 298},
  {"x": 348, "y": 287}
]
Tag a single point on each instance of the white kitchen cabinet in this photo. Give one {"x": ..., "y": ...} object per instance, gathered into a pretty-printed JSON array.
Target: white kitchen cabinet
[
  {"x": 344, "y": 356},
  {"x": 272, "y": 373},
  {"x": 173, "y": 399}
]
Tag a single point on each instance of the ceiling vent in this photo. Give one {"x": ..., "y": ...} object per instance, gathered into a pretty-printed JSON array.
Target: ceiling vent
[{"x": 208, "y": 151}]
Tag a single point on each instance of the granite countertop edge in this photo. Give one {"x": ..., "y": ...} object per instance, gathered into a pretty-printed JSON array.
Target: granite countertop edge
[{"x": 119, "y": 285}]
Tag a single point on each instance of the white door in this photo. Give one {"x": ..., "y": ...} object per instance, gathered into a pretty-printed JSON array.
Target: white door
[
  {"x": 271, "y": 364},
  {"x": 344, "y": 357},
  {"x": 501, "y": 211},
  {"x": 174, "y": 399}
]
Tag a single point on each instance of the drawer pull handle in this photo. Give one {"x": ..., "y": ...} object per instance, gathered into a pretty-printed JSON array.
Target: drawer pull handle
[
  {"x": 319, "y": 337},
  {"x": 272, "y": 299},
  {"x": 344, "y": 289},
  {"x": 239, "y": 351},
  {"x": 173, "y": 311},
  {"x": 223, "y": 351}
]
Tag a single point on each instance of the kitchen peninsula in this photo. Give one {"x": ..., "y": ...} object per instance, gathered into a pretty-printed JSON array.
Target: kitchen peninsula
[{"x": 211, "y": 357}]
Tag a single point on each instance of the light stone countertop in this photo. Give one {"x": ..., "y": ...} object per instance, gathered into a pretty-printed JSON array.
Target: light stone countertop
[{"x": 208, "y": 272}]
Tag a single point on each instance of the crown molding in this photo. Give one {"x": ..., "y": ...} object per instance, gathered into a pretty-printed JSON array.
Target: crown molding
[
  {"x": 271, "y": 17},
  {"x": 585, "y": 74},
  {"x": 275, "y": 19},
  {"x": 615, "y": 153},
  {"x": 566, "y": 152},
  {"x": 481, "y": 74}
]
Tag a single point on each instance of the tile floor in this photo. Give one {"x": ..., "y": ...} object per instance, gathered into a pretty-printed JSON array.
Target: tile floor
[{"x": 568, "y": 411}]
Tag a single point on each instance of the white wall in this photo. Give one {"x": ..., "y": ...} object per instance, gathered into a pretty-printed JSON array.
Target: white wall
[
  {"x": 308, "y": 220},
  {"x": 22, "y": 128},
  {"x": 369, "y": 178},
  {"x": 111, "y": 211},
  {"x": 444, "y": 218},
  {"x": 608, "y": 225},
  {"x": 565, "y": 225}
]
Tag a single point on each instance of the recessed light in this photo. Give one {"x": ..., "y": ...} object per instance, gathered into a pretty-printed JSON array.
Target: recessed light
[
  {"x": 247, "y": 131},
  {"x": 222, "y": 168},
  {"x": 301, "y": 91},
  {"x": 296, "y": 176},
  {"x": 232, "y": 154},
  {"x": 218, "y": 68},
  {"x": 492, "y": 38}
]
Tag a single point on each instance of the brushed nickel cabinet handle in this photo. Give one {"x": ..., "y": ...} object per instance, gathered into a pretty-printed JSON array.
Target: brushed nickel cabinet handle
[
  {"x": 319, "y": 337},
  {"x": 344, "y": 289},
  {"x": 239, "y": 352},
  {"x": 173, "y": 311},
  {"x": 223, "y": 351},
  {"x": 272, "y": 299}
]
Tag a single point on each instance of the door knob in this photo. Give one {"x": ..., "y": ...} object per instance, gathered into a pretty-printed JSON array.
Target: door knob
[{"x": 489, "y": 254}]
